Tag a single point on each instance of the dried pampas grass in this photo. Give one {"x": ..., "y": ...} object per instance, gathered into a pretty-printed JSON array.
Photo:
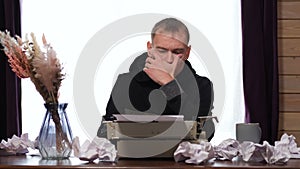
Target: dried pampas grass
[{"x": 27, "y": 59}]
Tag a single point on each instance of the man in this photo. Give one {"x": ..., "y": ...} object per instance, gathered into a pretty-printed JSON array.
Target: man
[{"x": 162, "y": 81}]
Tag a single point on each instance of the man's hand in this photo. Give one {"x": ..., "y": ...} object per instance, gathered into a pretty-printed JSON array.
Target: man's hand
[
  {"x": 158, "y": 76},
  {"x": 165, "y": 71}
]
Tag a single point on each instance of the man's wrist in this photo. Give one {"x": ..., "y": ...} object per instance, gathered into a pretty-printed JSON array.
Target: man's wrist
[
  {"x": 171, "y": 89},
  {"x": 166, "y": 80}
]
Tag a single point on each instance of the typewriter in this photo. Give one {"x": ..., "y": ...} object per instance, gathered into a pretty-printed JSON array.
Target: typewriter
[{"x": 144, "y": 136}]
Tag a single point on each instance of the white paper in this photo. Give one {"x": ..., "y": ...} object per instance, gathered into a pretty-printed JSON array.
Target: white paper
[
  {"x": 194, "y": 153},
  {"x": 264, "y": 152},
  {"x": 146, "y": 118},
  {"x": 249, "y": 152},
  {"x": 17, "y": 145},
  {"x": 99, "y": 148},
  {"x": 227, "y": 149},
  {"x": 288, "y": 143},
  {"x": 280, "y": 153}
]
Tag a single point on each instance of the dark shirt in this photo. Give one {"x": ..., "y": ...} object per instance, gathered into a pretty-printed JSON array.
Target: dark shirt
[{"x": 189, "y": 95}]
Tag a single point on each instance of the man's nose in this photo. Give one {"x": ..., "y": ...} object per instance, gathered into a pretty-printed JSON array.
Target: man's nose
[{"x": 170, "y": 57}]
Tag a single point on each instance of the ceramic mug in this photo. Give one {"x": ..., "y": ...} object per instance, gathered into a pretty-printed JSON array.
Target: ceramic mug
[{"x": 248, "y": 132}]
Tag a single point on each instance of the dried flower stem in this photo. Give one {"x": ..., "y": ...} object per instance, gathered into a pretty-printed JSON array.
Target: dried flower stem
[
  {"x": 43, "y": 68},
  {"x": 60, "y": 135}
]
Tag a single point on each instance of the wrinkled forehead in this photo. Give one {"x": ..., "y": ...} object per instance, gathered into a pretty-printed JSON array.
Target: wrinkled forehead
[{"x": 179, "y": 35}]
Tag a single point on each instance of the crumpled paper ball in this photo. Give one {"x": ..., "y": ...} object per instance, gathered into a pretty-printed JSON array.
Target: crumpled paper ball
[
  {"x": 257, "y": 153},
  {"x": 249, "y": 151},
  {"x": 227, "y": 149},
  {"x": 194, "y": 153},
  {"x": 99, "y": 148},
  {"x": 17, "y": 145},
  {"x": 281, "y": 152},
  {"x": 289, "y": 143}
]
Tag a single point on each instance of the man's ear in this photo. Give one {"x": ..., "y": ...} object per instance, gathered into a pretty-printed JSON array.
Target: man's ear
[
  {"x": 149, "y": 45},
  {"x": 187, "y": 53}
]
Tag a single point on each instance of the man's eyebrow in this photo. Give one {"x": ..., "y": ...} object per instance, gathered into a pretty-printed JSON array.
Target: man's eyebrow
[
  {"x": 176, "y": 49},
  {"x": 160, "y": 47},
  {"x": 179, "y": 49}
]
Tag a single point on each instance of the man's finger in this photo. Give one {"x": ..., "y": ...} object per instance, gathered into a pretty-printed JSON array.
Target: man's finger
[
  {"x": 147, "y": 65},
  {"x": 149, "y": 60}
]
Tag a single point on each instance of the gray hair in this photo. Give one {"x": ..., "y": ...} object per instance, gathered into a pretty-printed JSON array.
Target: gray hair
[{"x": 171, "y": 25}]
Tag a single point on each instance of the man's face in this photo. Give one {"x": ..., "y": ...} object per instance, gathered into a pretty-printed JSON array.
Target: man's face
[{"x": 169, "y": 45}]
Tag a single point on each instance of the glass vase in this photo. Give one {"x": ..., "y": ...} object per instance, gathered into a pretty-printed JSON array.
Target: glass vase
[{"x": 55, "y": 137}]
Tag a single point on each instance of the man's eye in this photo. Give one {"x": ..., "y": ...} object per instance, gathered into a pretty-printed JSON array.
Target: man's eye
[
  {"x": 162, "y": 50},
  {"x": 176, "y": 52}
]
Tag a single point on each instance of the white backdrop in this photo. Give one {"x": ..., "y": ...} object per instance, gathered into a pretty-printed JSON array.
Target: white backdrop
[{"x": 69, "y": 24}]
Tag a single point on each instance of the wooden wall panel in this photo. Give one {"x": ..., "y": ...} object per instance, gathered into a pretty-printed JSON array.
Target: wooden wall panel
[
  {"x": 289, "y": 10},
  {"x": 289, "y": 65},
  {"x": 288, "y": 47},
  {"x": 289, "y": 102},
  {"x": 289, "y": 84},
  {"x": 289, "y": 28},
  {"x": 289, "y": 121}
]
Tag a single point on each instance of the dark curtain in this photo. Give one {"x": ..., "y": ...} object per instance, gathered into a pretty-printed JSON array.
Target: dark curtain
[
  {"x": 260, "y": 68},
  {"x": 10, "y": 85}
]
